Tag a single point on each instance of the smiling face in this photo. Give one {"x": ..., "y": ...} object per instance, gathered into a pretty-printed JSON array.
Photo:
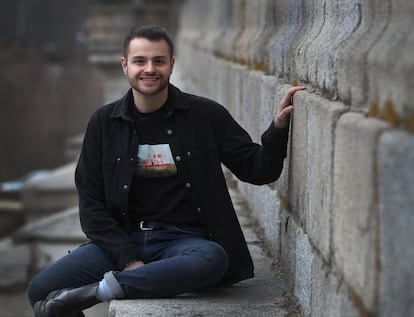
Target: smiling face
[{"x": 148, "y": 67}]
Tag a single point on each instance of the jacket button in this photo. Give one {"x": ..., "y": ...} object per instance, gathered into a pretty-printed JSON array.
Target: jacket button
[
  {"x": 187, "y": 185},
  {"x": 178, "y": 158},
  {"x": 188, "y": 153},
  {"x": 169, "y": 132},
  {"x": 125, "y": 186},
  {"x": 118, "y": 159},
  {"x": 199, "y": 210},
  {"x": 124, "y": 214}
]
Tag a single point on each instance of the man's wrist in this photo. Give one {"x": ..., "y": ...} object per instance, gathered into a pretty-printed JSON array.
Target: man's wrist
[{"x": 130, "y": 263}]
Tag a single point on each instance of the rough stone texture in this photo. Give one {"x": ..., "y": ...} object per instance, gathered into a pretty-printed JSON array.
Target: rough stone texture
[
  {"x": 396, "y": 214},
  {"x": 391, "y": 65},
  {"x": 330, "y": 296},
  {"x": 322, "y": 116},
  {"x": 355, "y": 214},
  {"x": 298, "y": 158},
  {"x": 355, "y": 58},
  {"x": 352, "y": 73},
  {"x": 252, "y": 104},
  {"x": 287, "y": 21},
  {"x": 303, "y": 276}
]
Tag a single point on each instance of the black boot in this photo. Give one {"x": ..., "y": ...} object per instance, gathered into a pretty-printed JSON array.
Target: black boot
[{"x": 67, "y": 302}]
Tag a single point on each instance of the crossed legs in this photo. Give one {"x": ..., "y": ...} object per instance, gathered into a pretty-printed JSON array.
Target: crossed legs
[{"x": 176, "y": 262}]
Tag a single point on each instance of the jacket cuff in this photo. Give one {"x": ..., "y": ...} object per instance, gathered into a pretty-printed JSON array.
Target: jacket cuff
[{"x": 276, "y": 135}]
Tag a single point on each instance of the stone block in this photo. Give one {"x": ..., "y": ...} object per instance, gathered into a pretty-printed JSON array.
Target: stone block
[
  {"x": 268, "y": 101},
  {"x": 321, "y": 122},
  {"x": 11, "y": 216},
  {"x": 355, "y": 214},
  {"x": 330, "y": 296},
  {"x": 311, "y": 22},
  {"x": 303, "y": 275},
  {"x": 289, "y": 232},
  {"x": 311, "y": 53},
  {"x": 237, "y": 91},
  {"x": 52, "y": 193},
  {"x": 252, "y": 104},
  {"x": 287, "y": 13},
  {"x": 223, "y": 81},
  {"x": 340, "y": 20},
  {"x": 391, "y": 66},
  {"x": 226, "y": 29},
  {"x": 298, "y": 160},
  {"x": 253, "y": 29},
  {"x": 14, "y": 266},
  {"x": 264, "y": 204},
  {"x": 282, "y": 184},
  {"x": 352, "y": 69},
  {"x": 51, "y": 237},
  {"x": 63, "y": 226},
  {"x": 396, "y": 214},
  {"x": 212, "y": 27},
  {"x": 265, "y": 30}
]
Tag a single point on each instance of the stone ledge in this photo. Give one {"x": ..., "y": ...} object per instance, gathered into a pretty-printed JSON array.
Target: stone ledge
[{"x": 264, "y": 295}]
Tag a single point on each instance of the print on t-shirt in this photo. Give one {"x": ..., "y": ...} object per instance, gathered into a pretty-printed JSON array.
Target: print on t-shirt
[{"x": 155, "y": 161}]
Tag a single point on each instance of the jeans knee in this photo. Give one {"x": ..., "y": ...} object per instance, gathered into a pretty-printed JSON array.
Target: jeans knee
[
  {"x": 219, "y": 258},
  {"x": 33, "y": 292}
]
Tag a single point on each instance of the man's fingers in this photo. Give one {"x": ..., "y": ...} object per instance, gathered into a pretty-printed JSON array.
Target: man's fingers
[
  {"x": 282, "y": 117},
  {"x": 287, "y": 99}
]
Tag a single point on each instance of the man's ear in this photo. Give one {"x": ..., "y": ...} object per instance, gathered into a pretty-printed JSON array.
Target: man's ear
[
  {"x": 124, "y": 65},
  {"x": 172, "y": 63}
]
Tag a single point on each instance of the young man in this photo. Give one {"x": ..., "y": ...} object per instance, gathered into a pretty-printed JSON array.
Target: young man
[{"x": 152, "y": 197}]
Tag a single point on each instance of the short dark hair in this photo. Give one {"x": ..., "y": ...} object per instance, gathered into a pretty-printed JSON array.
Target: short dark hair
[{"x": 149, "y": 32}]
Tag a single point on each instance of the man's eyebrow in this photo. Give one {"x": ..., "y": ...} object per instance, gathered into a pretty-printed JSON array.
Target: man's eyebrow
[{"x": 158, "y": 57}]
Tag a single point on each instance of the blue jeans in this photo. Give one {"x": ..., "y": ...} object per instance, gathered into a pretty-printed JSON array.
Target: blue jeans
[{"x": 176, "y": 261}]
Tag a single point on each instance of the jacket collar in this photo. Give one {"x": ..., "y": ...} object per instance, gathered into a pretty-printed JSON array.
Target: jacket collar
[{"x": 175, "y": 99}]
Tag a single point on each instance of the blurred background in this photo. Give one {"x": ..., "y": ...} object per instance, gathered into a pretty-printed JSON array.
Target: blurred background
[
  {"x": 51, "y": 53},
  {"x": 59, "y": 61}
]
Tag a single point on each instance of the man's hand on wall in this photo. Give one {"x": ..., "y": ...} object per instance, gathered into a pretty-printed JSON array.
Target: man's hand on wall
[{"x": 282, "y": 117}]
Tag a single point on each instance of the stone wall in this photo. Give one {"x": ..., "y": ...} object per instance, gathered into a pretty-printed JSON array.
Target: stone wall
[{"x": 338, "y": 220}]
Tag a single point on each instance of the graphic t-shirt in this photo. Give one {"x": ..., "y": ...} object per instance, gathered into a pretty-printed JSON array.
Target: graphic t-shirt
[
  {"x": 157, "y": 192},
  {"x": 155, "y": 161}
]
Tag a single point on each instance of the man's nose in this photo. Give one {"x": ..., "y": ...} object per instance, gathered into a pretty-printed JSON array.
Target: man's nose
[{"x": 149, "y": 67}]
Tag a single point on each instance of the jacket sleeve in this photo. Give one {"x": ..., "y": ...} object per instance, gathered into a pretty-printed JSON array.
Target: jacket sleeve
[
  {"x": 98, "y": 222},
  {"x": 250, "y": 162}
]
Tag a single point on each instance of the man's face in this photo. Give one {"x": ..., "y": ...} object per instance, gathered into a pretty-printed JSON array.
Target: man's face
[{"x": 148, "y": 66}]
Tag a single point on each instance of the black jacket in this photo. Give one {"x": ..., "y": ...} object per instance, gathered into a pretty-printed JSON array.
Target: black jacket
[{"x": 202, "y": 135}]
